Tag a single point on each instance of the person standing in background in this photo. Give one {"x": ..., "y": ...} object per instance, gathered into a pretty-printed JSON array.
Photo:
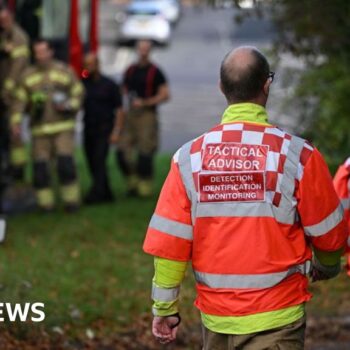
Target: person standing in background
[
  {"x": 342, "y": 187},
  {"x": 145, "y": 87},
  {"x": 103, "y": 122},
  {"x": 14, "y": 59},
  {"x": 52, "y": 95}
]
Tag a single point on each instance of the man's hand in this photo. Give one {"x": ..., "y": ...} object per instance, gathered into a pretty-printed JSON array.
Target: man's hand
[
  {"x": 165, "y": 328},
  {"x": 138, "y": 103},
  {"x": 114, "y": 137}
]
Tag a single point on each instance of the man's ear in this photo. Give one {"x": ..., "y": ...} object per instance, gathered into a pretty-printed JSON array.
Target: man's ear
[
  {"x": 221, "y": 87},
  {"x": 266, "y": 88}
]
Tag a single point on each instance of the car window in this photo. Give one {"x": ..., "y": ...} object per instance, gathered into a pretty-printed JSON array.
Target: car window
[{"x": 142, "y": 12}]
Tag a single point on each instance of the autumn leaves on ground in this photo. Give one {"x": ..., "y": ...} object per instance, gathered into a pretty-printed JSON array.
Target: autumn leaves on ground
[{"x": 90, "y": 271}]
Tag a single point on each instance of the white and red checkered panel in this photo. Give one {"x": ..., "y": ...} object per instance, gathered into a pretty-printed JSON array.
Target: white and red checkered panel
[{"x": 245, "y": 133}]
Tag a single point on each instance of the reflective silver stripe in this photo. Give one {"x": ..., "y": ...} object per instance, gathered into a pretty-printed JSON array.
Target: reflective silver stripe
[
  {"x": 286, "y": 211},
  {"x": 232, "y": 209},
  {"x": 349, "y": 241},
  {"x": 327, "y": 224},
  {"x": 165, "y": 294},
  {"x": 171, "y": 227},
  {"x": 346, "y": 203},
  {"x": 187, "y": 176},
  {"x": 266, "y": 280}
]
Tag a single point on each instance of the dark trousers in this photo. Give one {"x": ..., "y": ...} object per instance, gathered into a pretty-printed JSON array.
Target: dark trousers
[{"x": 96, "y": 149}]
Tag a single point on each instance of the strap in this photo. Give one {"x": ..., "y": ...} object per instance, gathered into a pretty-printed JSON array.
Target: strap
[
  {"x": 150, "y": 80},
  {"x": 178, "y": 320}
]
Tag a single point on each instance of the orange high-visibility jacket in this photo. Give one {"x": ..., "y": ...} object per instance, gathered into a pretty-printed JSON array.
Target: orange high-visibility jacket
[
  {"x": 245, "y": 202},
  {"x": 342, "y": 187}
]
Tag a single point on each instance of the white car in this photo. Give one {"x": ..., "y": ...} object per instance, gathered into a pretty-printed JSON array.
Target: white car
[
  {"x": 170, "y": 9},
  {"x": 145, "y": 22},
  {"x": 249, "y": 4}
]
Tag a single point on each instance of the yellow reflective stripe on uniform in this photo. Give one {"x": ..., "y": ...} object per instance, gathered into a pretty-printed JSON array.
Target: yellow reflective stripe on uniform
[
  {"x": 328, "y": 258},
  {"x": 254, "y": 323},
  {"x": 70, "y": 193},
  {"x": 165, "y": 308},
  {"x": 21, "y": 94},
  {"x": 45, "y": 198},
  {"x": 77, "y": 89},
  {"x": 53, "y": 128},
  {"x": 33, "y": 79},
  {"x": 20, "y": 51},
  {"x": 16, "y": 118},
  {"x": 9, "y": 84},
  {"x": 243, "y": 281},
  {"x": 59, "y": 77},
  {"x": 74, "y": 103},
  {"x": 18, "y": 155}
]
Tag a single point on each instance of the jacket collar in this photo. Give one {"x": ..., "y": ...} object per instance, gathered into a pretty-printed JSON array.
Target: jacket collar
[{"x": 245, "y": 112}]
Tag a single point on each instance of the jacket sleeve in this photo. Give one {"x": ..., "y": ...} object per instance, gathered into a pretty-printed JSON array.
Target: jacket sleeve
[
  {"x": 320, "y": 211},
  {"x": 169, "y": 234},
  {"x": 168, "y": 276},
  {"x": 19, "y": 56},
  {"x": 19, "y": 103},
  {"x": 76, "y": 92}
]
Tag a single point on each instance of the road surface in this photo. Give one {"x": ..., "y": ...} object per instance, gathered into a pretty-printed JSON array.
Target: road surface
[{"x": 191, "y": 62}]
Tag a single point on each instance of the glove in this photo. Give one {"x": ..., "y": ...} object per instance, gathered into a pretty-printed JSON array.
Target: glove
[
  {"x": 164, "y": 328},
  {"x": 321, "y": 272}
]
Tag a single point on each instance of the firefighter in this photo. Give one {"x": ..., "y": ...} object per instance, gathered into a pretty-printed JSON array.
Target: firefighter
[
  {"x": 146, "y": 88},
  {"x": 342, "y": 187},
  {"x": 52, "y": 95},
  {"x": 254, "y": 208},
  {"x": 14, "y": 58}
]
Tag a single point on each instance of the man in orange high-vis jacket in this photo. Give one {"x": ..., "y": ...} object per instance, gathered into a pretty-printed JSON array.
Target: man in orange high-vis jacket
[
  {"x": 255, "y": 209},
  {"x": 342, "y": 187}
]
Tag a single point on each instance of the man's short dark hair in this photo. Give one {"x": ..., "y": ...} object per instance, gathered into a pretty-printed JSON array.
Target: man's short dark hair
[
  {"x": 243, "y": 84},
  {"x": 40, "y": 41}
]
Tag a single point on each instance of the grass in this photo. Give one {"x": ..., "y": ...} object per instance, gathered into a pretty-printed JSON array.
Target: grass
[
  {"x": 89, "y": 266},
  {"x": 86, "y": 266}
]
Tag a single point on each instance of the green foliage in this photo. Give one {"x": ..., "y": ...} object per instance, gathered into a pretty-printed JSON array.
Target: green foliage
[
  {"x": 318, "y": 31},
  {"x": 325, "y": 88}
]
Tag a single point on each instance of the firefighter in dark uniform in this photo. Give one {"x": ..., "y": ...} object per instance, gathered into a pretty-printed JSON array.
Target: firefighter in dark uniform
[
  {"x": 103, "y": 122},
  {"x": 14, "y": 58},
  {"x": 145, "y": 87},
  {"x": 51, "y": 93}
]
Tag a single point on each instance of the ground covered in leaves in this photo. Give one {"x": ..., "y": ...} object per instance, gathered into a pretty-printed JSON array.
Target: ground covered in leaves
[
  {"x": 90, "y": 272},
  {"x": 322, "y": 333}
]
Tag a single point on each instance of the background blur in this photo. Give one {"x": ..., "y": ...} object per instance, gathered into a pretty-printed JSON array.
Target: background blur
[{"x": 88, "y": 268}]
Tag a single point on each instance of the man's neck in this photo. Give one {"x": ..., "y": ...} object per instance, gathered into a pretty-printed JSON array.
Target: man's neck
[
  {"x": 144, "y": 62},
  {"x": 257, "y": 101},
  {"x": 96, "y": 76},
  {"x": 45, "y": 66}
]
